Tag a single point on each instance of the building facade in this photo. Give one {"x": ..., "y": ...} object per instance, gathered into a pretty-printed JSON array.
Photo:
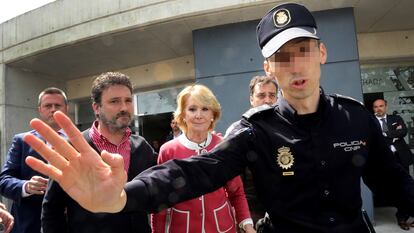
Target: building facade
[{"x": 164, "y": 45}]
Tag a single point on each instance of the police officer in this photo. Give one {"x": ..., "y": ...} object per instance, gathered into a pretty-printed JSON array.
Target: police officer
[{"x": 307, "y": 154}]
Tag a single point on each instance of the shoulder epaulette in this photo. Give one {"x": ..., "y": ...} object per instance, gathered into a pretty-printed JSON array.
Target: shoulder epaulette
[
  {"x": 347, "y": 98},
  {"x": 254, "y": 111}
]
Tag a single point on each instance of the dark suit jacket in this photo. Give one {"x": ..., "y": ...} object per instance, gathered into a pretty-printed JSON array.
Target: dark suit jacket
[
  {"x": 397, "y": 130},
  {"x": 62, "y": 214},
  {"x": 26, "y": 211}
]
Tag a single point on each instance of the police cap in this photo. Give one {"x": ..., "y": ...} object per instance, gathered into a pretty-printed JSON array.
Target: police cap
[{"x": 283, "y": 23}]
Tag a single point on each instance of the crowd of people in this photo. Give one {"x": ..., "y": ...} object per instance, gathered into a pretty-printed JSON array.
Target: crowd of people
[{"x": 297, "y": 156}]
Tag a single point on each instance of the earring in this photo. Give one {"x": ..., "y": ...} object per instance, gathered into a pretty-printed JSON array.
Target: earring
[{"x": 212, "y": 120}]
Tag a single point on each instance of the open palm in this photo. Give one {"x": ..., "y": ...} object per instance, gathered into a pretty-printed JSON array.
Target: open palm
[{"x": 95, "y": 181}]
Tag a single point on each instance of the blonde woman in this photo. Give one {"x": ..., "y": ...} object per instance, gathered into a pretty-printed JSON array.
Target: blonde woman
[{"x": 197, "y": 113}]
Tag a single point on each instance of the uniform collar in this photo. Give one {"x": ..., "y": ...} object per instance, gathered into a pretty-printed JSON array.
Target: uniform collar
[{"x": 289, "y": 112}]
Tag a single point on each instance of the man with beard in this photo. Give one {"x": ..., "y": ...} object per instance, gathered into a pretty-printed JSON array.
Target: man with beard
[
  {"x": 113, "y": 107},
  {"x": 19, "y": 182},
  {"x": 175, "y": 131}
]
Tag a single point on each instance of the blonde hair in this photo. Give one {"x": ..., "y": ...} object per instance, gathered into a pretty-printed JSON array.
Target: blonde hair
[{"x": 202, "y": 95}]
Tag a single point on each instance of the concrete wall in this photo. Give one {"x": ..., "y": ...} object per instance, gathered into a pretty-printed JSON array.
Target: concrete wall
[
  {"x": 3, "y": 136},
  {"x": 386, "y": 46},
  {"x": 148, "y": 76},
  {"x": 76, "y": 20},
  {"x": 20, "y": 102}
]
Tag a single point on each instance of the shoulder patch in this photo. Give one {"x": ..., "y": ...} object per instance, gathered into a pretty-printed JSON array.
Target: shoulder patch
[
  {"x": 347, "y": 98},
  {"x": 254, "y": 111}
]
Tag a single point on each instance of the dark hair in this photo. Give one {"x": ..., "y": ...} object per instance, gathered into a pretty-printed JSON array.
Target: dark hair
[
  {"x": 52, "y": 91},
  {"x": 105, "y": 80},
  {"x": 261, "y": 80},
  {"x": 385, "y": 102}
]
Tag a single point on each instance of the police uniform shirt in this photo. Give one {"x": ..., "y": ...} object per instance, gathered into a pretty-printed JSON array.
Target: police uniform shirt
[{"x": 306, "y": 169}]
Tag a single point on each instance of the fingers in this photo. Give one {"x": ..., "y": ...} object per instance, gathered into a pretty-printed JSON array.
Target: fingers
[
  {"x": 73, "y": 133},
  {"x": 36, "y": 185},
  {"x": 7, "y": 220},
  {"x": 58, "y": 143},
  {"x": 34, "y": 189},
  {"x": 40, "y": 180},
  {"x": 47, "y": 153},
  {"x": 8, "y": 226},
  {"x": 115, "y": 161},
  {"x": 42, "y": 167}
]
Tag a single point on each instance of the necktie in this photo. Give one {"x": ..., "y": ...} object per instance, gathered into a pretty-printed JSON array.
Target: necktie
[{"x": 384, "y": 125}]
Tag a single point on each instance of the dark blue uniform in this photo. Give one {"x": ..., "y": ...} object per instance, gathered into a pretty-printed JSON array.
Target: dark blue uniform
[{"x": 306, "y": 168}]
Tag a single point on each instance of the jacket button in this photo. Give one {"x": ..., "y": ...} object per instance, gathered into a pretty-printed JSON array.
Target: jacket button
[
  {"x": 326, "y": 192},
  {"x": 331, "y": 219},
  {"x": 323, "y": 162}
]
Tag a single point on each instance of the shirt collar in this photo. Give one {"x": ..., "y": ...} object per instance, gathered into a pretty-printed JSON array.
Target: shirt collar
[
  {"x": 384, "y": 117},
  {"x": 192, "y": 145},
  {"x": 95, "y": 132}
]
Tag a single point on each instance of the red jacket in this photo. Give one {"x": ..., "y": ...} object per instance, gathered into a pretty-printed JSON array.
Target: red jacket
[{"x": 212, "y": 212}]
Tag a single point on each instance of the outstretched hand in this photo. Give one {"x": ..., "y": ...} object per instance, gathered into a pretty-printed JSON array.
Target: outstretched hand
[{"x": 95, "y": 181}]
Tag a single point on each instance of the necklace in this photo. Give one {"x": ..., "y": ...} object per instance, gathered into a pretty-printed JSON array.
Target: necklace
[
  {"x": 202, "y": 147},
  {"x": 199, "y": 148}
]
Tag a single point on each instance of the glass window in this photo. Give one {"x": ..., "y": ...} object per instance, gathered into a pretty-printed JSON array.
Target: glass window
[{"x": 395, "y": 84}]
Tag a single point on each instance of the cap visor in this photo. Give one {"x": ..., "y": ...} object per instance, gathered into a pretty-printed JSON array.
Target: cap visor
[{"x": 282, "y": 38}]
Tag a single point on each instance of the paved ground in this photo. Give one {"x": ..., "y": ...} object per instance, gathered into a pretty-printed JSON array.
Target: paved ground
[{"x": 385, "y": 221}]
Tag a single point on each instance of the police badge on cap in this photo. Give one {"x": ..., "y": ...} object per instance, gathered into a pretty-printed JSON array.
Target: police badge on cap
[
  {"x": 282, "y": 24},
  {"x": 281, "y": 18}
]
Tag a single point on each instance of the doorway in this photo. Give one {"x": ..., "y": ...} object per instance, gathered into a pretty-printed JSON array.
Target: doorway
[
  {"x": 155, "y": 128},
  {"x": 154, "y": 111}
]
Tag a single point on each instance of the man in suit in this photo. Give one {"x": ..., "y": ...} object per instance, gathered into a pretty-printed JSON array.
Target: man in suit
[
  {"x": 394, "y": 131},
  {"x": 113, "y": 107},
  {"x": 175, "y": 131},
  {"x": 19, "y": 182}
]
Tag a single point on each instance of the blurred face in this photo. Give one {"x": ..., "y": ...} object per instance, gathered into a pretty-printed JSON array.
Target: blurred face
[
  {"x": 296, "y": 68},
  {"x": 197, "y": 117},
  {"x": 49, "y": 104},
  {"x": 380, "y": 108},
  {"x": 263, "y": 94},
  {"x": 174, "y": 125},
  {"x": 116, "y": 108}
]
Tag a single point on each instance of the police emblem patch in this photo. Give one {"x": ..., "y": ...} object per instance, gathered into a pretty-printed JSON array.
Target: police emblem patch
[
  {"x": 285, "y": 158},
  {"x": 281, "y": 18}
]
